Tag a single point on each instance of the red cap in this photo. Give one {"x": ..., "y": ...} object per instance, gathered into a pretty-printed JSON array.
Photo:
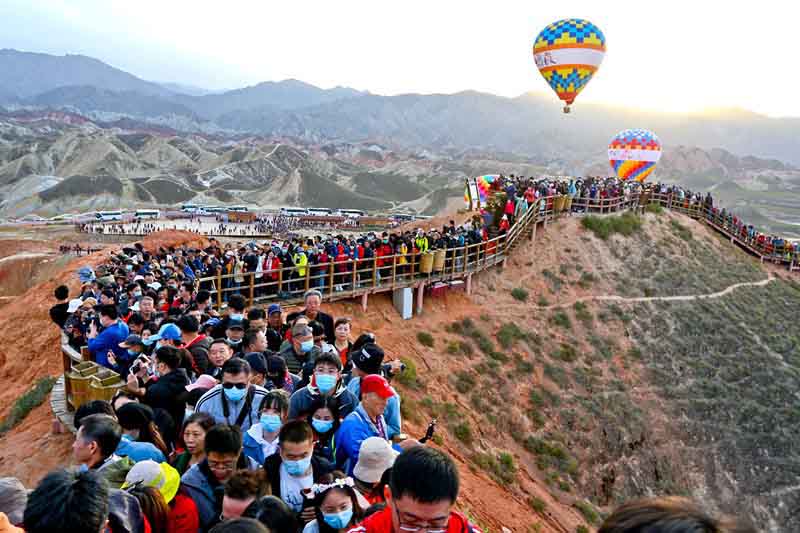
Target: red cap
[{"x": 377, "y": 384}]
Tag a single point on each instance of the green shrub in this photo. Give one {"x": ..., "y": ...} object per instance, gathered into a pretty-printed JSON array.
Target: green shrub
[
  {"x": 27, "y": 403},
  {"x": 425, "y": 338},
  {"x": 408, "y": 377},
  {"x": 587, "y": 511},
  {"x": 603, "y": 227},
  {"x": 566, "y": 353},
  {"x": 409, "y": 409},
  {"x": 581, "y": 528},
  {"x": 498, "y": 356},
  {"x": 525, "y": 367},
  {"x": 681, "y": 231},
  {"x": 501, "y": 468},
  {"x": 561, "y": 319},
  {"x": 508, "y": 334},
  {"x": 438, "y": 439},
  {"x": 464, "y": 382},
  {"x": 519, "y": 294},
  {"x": 536, "y": 417},
  {"x": 582, "y": 313},
  {"x": 586, "y": 280},
  {"x": 453, "y": 348},
  {"x": 557, "y": 375},
  {"x": 466, "y": 348},
  {"x": 656, "y": 209},
  {"x": 536, "y": 398},
  {"x": 542, "y": 301},
  {"x": 537, "y": 504},
  {"x": 463, "y": 433}
]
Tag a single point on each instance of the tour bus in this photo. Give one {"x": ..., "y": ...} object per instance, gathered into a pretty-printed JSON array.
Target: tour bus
[
  {"x": 351, "y": 213},
  {"x": 403, "y": 217},
  {"x": 238, "y": 208},
  {"x": 107, "y": 216},
  {"x": 189, "y": 208},
  {"x": 319, "y": 212},
  {"x": 293, "y": 212},
  {"x": 145, "y": 214}
]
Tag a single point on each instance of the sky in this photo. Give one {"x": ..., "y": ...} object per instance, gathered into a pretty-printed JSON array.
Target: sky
[{"x": 677, "y": 56}]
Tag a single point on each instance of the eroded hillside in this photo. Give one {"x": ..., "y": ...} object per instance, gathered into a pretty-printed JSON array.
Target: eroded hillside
[{"x": 573, "y": 379}]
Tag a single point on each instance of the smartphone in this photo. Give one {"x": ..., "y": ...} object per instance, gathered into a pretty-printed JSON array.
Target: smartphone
[{"x": 429, "y": 433}]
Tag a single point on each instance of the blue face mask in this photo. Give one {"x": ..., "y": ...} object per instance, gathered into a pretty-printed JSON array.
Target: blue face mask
[
  {"x": 237, "y": 316},
  {"x": 297, "y": 468},
  {"x": 325, "y": 382},
  {"x": 158, "y": 345},
  {"x": 339, "y": 520},
  {"x": 132, "y": 353},
  {"x": 306, "y": 346},
  {"x": 270, "y": 423},
  {"x": 234, "y": 394},
  {"x": 321, "y": 426}
]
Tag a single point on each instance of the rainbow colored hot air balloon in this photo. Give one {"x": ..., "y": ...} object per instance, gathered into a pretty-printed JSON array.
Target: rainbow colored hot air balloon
[
  {"x": 567, "y": 54},
  {"x": 633, "y": 154}
]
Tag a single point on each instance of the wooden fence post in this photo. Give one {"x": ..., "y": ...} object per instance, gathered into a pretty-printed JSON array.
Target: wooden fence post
[
  {"x": 252, "y": 287},
  {"x": 219, "y": 289}
]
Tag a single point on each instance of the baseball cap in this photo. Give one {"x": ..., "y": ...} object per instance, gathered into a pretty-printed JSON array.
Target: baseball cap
[
  {"x": 74, "y": 304},
  {"x": 203, "y": 382},
  {"x": 131, "y": 340},
  {"x": 377, "y": 384},
  {"x": 274, "y": 308},
  {"x": 161, "y": 476},
  {"x": 257, "y": 362},
  {"x": 375, "y": 457},
  {"x": 235, "y": 324},
  {"x": 369, "y": 358},
  {"x": 211, "y": 322},
  {"x": 169, "y": 332}
]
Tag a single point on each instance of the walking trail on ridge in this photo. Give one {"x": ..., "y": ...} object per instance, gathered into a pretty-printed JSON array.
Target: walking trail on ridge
[{"x": 682, "y": 298}]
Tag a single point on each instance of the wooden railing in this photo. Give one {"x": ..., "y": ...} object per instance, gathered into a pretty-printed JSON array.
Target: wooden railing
[{"x": 354, "y": 277}]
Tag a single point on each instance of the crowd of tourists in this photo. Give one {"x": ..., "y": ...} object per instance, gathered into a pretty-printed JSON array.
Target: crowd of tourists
[
  {"x": 244, "y": 420},
  {"x": 252, "y": 419}
]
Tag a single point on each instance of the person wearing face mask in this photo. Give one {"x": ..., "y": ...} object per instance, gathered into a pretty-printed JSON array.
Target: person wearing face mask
[
  {"x": 141, "y": 439},
  {"x": 236, "y": 307},
  {"x": 326, "y": 380},
  {"x": 336, "y": 507},
  {"x": 234, "y": 334},
  {"x": 134, "y": 346},
  {"x": 323, "y": 416},
  {"x": 294, "y": 470},
  {"x": 261, "y": 440},
  {"x": 296, "y": 353},
  {"x": 235, "y": 401}
]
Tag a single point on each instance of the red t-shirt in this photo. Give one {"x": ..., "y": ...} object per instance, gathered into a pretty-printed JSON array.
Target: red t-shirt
[{"x": 381, "y": 522}]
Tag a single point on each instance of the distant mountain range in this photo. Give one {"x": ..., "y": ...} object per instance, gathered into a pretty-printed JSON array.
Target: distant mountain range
[{"x": 530, "y": 125}]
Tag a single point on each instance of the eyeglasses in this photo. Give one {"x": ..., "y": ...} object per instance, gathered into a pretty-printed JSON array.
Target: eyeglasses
[
  {"x": 232, "y": 385},
  {"x": 226, "y": 466},
  {"x": 415, "y": 528}
]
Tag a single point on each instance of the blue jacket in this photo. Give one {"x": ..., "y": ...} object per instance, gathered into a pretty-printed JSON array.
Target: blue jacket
[
  {"x": 109, "y": 339},
  {"x": 356, "y": 428},
  {"x": 302, "y": 399},
  {"x": 391, "y": 414},
  {"x": 138, "y": 451}
]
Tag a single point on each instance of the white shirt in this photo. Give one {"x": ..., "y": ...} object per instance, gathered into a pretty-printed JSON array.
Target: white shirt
[
  {"x": 257, "y": 432},
  {"x": 292, "y": 488}
]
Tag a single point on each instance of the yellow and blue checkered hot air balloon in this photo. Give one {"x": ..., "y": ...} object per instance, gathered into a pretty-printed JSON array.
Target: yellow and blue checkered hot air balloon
[{"x": 568, "y": 53}]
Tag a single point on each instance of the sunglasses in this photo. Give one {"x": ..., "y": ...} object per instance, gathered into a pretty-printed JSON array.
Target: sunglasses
[{"x": 232, "y": 385}]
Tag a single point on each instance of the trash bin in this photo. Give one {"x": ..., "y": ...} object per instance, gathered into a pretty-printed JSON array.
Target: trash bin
[
  {"x": 79, "y": 378},
  {"x": 426, "y": 263},
  {"x": 104, "y": 384}
]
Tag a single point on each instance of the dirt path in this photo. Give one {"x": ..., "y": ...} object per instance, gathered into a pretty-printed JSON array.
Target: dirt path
[{"x": 682, "y": 298}]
